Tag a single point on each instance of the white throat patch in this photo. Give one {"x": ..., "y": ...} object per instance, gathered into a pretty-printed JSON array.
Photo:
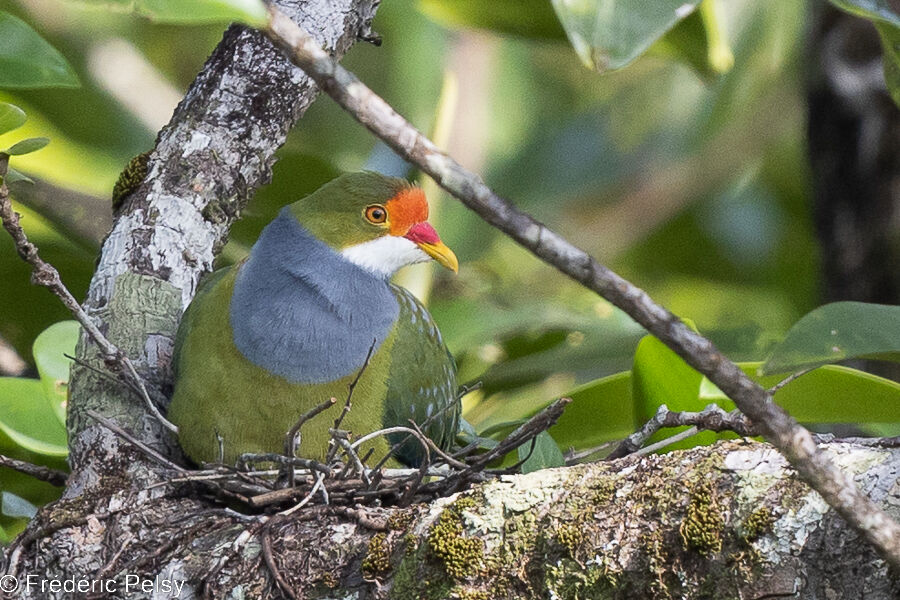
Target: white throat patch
[{"x": 384, "y": 255}]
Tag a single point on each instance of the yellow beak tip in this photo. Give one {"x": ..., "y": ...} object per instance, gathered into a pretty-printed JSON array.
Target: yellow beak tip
[{"x": 442, "y": 254}]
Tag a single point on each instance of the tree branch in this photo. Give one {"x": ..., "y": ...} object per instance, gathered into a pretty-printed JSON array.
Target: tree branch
[
  {"x": 51, "y": 476},
  {"x": 794, "y": 441},
  {"x": 711, "y": 418}
]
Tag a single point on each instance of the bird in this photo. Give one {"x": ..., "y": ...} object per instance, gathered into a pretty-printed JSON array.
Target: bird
[{"x": 310, "y": 310}]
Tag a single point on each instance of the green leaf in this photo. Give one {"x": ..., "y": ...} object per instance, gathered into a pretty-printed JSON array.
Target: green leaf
[
  {"x": 27, "y": 60},
  {"x": 49, "y": 352},
  {"x": 27, "y": 418},
  {"x": 11, "y": 117},
  {"x": 600, "y": 411},
  {"x": 533, "y": 19},
  {"x": 14, "y": 176},
  {"x": 874, "y": 10},
  {"x": 10, "y": 528},
  {"x": 660, "y": 376},
  {"x": 467, "y": 435},
  {"x": 698, "y": 41},
  {"x": 16, "y": 506},
  {"x": 837, "y": 332},
  {"x": 545, "y": 455},
  {"x": 193, "y": 12},
  {"x": 887, "y": 21},
  {"x": 27, "y": 146},
  {"x": 249, "y": 12},
  {"x": 830, "y": 394},
  {"x": 609, "y": 34},
  {"x": 890, "y": 41}
]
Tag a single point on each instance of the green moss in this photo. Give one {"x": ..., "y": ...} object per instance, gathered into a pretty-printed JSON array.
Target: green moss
[
  {"x": 130, "y": 178},
  {"x": 417, "y": 578},
  {"x": 401, "y": 519},
  {"x": 758, "y": 523},
  {"x": 377, "y": 560},
  {"x": 658, "y": 563},
  {"x": 603, "y": 490},
  {"x": 701, "y": 528},
  {"x": 569, "y": 579},
  {"x": 570, "y": 537},
  {"x": 460, "y": 556}
]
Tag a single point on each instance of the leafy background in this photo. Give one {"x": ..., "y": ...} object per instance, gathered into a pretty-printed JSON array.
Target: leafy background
[{"x": 686, "y": 172}]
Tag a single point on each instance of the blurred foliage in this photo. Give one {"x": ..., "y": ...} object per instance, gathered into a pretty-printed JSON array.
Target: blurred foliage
[
  {"x": 686, "y": 172},
  {"x": 32, "y": 426},
  {"x": 835, "y": 332},
  {"x": 885, "y": 15},
  {"x": 252, "y": 12}
]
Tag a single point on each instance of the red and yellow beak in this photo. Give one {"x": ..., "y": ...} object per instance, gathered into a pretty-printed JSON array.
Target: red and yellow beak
[{"x": 426, "y": 238}]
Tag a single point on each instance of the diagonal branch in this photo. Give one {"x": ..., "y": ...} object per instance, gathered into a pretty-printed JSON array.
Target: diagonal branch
[
  {"x": 778, "y": 427},
  {"x": 46, "y": 275}
]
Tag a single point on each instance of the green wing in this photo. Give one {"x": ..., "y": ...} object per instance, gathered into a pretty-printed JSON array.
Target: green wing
[{"x": 421, "y": 379}]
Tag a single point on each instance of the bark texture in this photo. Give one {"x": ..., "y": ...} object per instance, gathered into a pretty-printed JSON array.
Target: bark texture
[{"x": 722, "y": 522}]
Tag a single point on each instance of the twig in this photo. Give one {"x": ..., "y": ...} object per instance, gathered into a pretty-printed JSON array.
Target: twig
[
  {"x": 332, "y": 450},
  {"x": 672, "y": 439},
  {"x": 434, "y": 448},
  {"x": 354, "y": 459},
  {"x": 51, "y": 476},
  {"x": 147, "y": 450},
  {"x": 540, "y": 422},
  {"x": 291, "y": 441},
  {"x": 452, "y": 403},
  {"x": 46, "y": 275},
  {"x": 872, "y": 442},
  {"x": 711, "y": 418},
  {"x": 306, "y": 499},
  {"x": 313, "y": 465},
  {"x": 576, "y": 456},
  {"x": 790, "y": 378},
  {"x": 778, "y": 427},
  {"x": 270, "y": 562}
]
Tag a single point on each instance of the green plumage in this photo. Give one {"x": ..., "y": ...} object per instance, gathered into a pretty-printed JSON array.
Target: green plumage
[{"x": 218, "y": 391}]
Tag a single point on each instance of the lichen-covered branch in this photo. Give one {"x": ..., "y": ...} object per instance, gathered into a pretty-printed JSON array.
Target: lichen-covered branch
[
  {"x": 218, "y": 148},
  {"x": 720, "y": 522},
  {"x": 794, "y": 441}
]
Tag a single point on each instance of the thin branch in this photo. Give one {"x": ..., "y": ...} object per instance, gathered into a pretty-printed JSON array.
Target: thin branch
[
  {"x": 273, "y": 566},
  {"x": 291, "y": 440},
  {"x": 434, "y": 448},
  {"x": 51, "y": 476},
  {"x": 147, "y": 450},
  {"x": 672, "y": 439},
  {"x": 789, "y": 379},
  {"x": 46, "y": 275},
  {"x": 711, "y": 418},
  {"x": 778, "y": 427},
  {"x": 348, "y": 403}
]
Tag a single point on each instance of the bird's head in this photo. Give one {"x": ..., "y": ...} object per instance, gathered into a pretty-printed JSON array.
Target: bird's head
[{"x": 377, "y": 222}]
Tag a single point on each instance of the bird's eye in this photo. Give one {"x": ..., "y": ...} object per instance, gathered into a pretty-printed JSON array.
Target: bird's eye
[{"x": 376, "y": 214}]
